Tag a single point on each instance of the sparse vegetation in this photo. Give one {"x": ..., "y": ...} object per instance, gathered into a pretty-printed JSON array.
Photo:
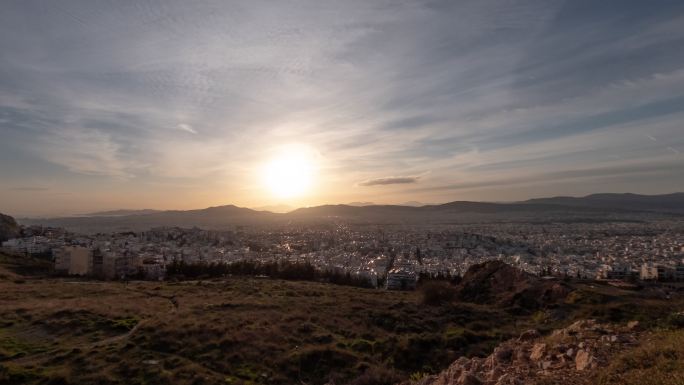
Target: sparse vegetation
[
  {"x": 659, "y": 360},
  {"x": 252, "y": 330},
  {"x": 437, "y": 292}
]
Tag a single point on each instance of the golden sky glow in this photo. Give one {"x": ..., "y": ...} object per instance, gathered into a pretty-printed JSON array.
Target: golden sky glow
[
  {"x": 290, "y": 172},
  {"x": 184, "y": 105}
]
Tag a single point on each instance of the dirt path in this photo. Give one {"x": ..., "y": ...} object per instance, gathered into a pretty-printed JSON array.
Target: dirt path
[{"x": 118, "y": 338}]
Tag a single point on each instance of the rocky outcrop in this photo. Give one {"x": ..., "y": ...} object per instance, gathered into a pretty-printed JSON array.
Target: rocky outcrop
[
  {"x": 565, "y": 357},
  {"x": 497, "y": 283},
  {"x": 8, "y": 228}
]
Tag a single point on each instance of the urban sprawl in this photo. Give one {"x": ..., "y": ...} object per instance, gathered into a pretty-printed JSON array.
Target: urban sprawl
[{"x": 387, "y": 256}]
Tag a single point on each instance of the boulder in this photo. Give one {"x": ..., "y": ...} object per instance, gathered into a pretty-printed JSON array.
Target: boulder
[
  {"x": 468, "y": 378},
  {"x": 570, "y": 353},
  {"x": 538, "y": 351},
  {"x": 583, "y": 360},
  {"x": 633, "y": 325},
  {"x": 497, "y": 283}
]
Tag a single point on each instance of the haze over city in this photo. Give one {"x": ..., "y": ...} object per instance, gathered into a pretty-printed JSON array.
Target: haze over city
[{"x": 179, "y": 105}]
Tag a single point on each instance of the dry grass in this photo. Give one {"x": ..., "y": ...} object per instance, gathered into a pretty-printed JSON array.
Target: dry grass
[
  {"x": 235, "y": 331},
  {"x": 659, "y": 360}
]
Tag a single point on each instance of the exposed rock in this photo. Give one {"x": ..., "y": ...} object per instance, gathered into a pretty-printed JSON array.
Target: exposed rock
[
  {"x": 538, "y": 351},
  {"x": 583, "y": 360},
  {"x": 529, "y": 335},
  {"x": 495, "y": 282},
  {"x": 633, "y": 325},
  {"x": 508, "y": 379},
  {"x": 494, "y": 374},
  {"x": 468, "y": 378},
  {"x": 574, "y": 351},
  {"x": 570, "y": 353},
  {"x": 502, "y": 354}
]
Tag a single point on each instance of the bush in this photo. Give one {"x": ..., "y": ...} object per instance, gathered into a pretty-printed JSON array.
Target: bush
[
  {"x": 436, "y": 293},
  {"x": 675, "y": 320},
  {"x": 378, "y": 375}
]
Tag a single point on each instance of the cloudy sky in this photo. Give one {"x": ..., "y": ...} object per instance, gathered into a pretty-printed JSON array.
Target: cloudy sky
[{"x": 178, "y": 104}]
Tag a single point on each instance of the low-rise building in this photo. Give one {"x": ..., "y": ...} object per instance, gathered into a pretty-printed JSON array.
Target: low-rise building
[
  {"x": 402, "y": 277},
  {"x": 649, "y": 272},
  {"x": 73, "y": 260}
]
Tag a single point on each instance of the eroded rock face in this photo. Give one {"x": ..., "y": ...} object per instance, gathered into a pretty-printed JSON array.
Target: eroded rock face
[{"x": 566, "y": 353}]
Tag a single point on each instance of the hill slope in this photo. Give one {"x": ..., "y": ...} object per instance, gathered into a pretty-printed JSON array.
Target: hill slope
[
  {"x": 221, "y": 217},
  {"x": 496, "y": 283},
  {"x": 600, "y": 207},
  {"x": 673, "y": 203},
  {"x": 8, "y": 227}
]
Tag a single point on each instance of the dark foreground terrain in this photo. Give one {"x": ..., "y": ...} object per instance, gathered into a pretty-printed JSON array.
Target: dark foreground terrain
[{"x": 263, "y": 331}]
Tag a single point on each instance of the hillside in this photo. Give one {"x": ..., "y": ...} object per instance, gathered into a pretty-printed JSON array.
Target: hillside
[
  {"x": 221, "y": 217},
  {"x": 243, "y": 330},
  {"x": 584, "y": 353},
  {"x": 8, "y": 227},
  {"x": 117, "y": 213},
  {"x": 496, "y": 283},
  {"x": 598, "y": 208},
  {"x": 672, "y": 203},
  {"x": 234, "y": 330}
]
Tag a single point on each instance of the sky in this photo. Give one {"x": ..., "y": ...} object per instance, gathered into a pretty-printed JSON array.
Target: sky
[{"x": 180, "y": 104}]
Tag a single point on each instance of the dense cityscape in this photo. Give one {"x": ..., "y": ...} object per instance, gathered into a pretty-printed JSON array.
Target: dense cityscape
[{"x": 647, "y": 251}]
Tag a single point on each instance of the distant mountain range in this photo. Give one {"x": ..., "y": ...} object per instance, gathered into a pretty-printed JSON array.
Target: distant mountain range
[
  {"x": 596, "y": 207},
  {"x": 118, "y": 213},
  {"x": 275, "y": 208},
  {"x": 664, "y": 203}
]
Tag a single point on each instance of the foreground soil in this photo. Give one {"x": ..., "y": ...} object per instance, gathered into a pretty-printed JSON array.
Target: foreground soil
[
  {"x": 235, "y": 330},
  {"x": 258, "y": 331}
]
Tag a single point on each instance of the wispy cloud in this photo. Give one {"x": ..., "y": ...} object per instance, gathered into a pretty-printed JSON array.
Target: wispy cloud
[
  {"x": 186, "y": 127},
  {"x": 389, "y": 180},
  {"x": 28, "y": 189},
  {"x": 181, "y": 94}
]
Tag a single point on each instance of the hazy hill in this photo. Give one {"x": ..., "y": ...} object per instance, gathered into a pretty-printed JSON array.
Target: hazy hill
[
  {"x": 598, "y": 207},
  {"x": 274, "y": 208},
  {"x": 661, "y": 203},
  {"x": 220, "y": 217},
  {"x": 117, "y": 213}
]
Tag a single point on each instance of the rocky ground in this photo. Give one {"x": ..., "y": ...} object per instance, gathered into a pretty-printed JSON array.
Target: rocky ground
[{"x": 568, "y": 356}]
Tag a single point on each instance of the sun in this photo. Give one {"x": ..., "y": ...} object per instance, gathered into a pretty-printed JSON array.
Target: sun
[{"x": 290, "y": 173}]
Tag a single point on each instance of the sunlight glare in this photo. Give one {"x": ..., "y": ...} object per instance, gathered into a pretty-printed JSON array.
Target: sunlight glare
[{"x": 289, "y": 174}]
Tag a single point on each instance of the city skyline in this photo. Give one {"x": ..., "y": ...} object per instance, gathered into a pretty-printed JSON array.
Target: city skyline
[{"x": 176, "y": 106}]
